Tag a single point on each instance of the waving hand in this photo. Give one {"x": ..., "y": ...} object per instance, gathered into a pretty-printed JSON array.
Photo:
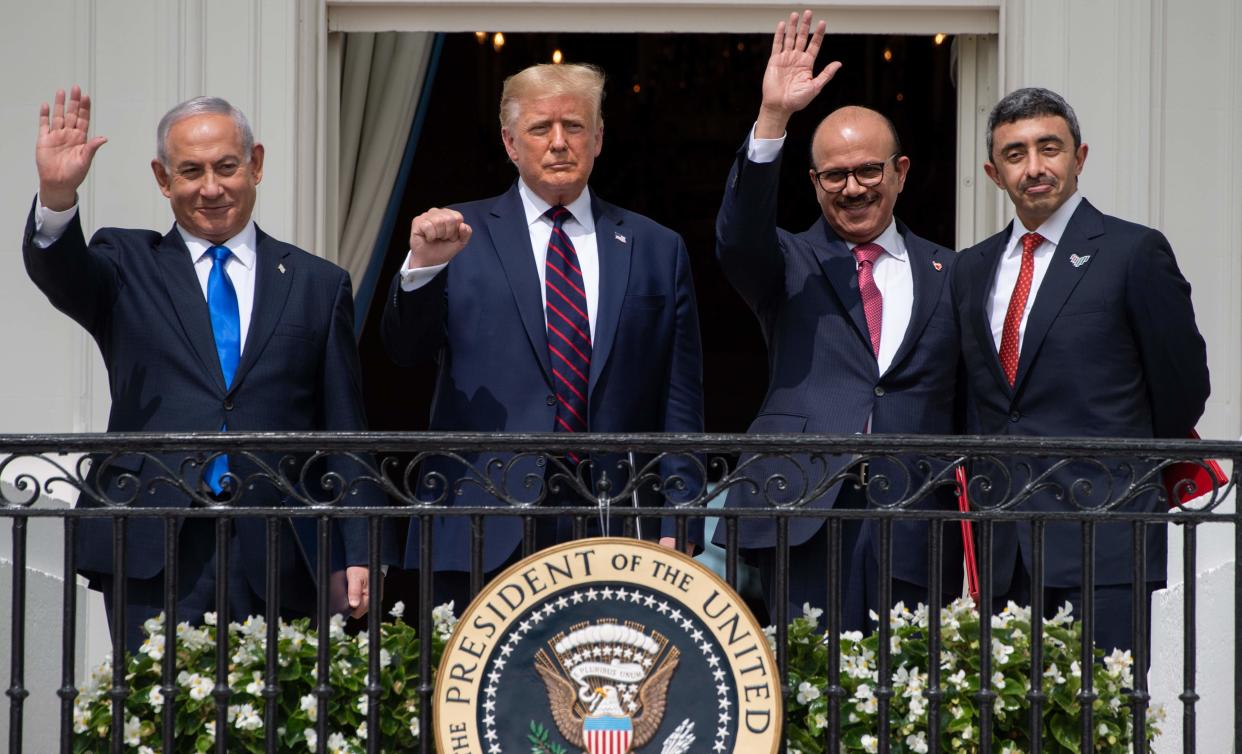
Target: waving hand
[
  {"x": 64, "y": 151},
  {"x": 788, "y": 83}
]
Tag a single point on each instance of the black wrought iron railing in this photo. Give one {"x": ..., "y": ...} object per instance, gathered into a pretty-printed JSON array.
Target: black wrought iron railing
[{"x": 620, "y": 481}]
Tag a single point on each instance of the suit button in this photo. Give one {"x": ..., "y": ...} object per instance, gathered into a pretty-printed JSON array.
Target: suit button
[
  {"x": 228, "y": 404},
  {"x": 550, "y": 400},
  {"x": 879, "y": 390},
  {"x": 1014, "y": 416}
]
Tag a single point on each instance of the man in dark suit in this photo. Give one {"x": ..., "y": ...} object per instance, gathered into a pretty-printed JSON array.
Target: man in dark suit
[
  {"x": 1073, "y": 323},
  {"x": 213, "y": 325},
  {"x": 546, "y": 309},
  {"x": 860, "y": 334}
]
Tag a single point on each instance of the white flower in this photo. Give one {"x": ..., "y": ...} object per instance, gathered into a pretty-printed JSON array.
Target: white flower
[
  {"x": 145, "y": 750},
  {"x": 958, "y": 679},
  {"x": 337, "y": 744},
  {"x": 1000, "y": 651},
  {"x": 156, "y": 697},
  {"x": 917, "y": 742},
  {"x": 255, "y": 687},
  {"x": 247, "y": 718},
  {"x": 336, "y": 627},
  {"x": 153, "y": 646},
  {"x": 397, "y": 610},
  {"x": 414, "y": 727},
  {"x": 811, "y": 613},
  {"x": 310, "y": 705},
  {"x": 209, "y": 619},
  {"x": 894, "y": 644},
  {"x": 385, "y": 658},
  {"x": 1075, "y": 670},
  {"x": 312, "y": 739},
  {"x": 444, "y": 620},
  {"x": 362, "y": 730},
  {"x": 854, "y": 636},
  {"x": 211, "y": 729},
  {"x": 807, "y": 692},
  {"x": 769, "y": 633},
  {"x": 200, "y": 686},
  {"x": 1118, "y": 665},
  {"x": 870, "y": 743},
  {"x": 362, "y": 704},
  {"x": 998, "y": 680},
  {"x": 819, "y": 721}
]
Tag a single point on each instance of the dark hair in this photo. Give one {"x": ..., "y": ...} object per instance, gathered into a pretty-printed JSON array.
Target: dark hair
[
  {"x": 1032, "y": 102},
  {"x": 892, "y": 130}
]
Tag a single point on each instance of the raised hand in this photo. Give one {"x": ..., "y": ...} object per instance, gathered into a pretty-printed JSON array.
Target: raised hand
[
  {"x": 436, "y": 236},
  {"x": 63, "y": 151},
  {"x": 788, "y": 85}
]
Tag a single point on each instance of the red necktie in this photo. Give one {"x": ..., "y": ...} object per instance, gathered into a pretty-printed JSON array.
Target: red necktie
[
  {"x": 872, "y": 300},
  {"x": 1011, "y": 336},
  {"x": 569, "y": 328}
]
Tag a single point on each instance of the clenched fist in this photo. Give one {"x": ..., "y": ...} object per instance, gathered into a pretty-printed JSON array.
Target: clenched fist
[{"x": 436, "y": 236}]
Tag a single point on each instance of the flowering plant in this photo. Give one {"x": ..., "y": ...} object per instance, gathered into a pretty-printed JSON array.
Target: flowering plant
[
  {"x": 806, "y": 713},
  {"x": 298, "y": 662}
]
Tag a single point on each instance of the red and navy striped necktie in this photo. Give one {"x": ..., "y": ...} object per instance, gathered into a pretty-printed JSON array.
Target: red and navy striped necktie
[{"x": 569, "y": 328}]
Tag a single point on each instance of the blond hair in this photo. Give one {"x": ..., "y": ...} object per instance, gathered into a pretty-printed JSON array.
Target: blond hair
[{"x": 550, "y": 80}]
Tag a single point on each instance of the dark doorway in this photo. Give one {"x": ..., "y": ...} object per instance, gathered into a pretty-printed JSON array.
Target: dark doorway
[{"x": 677, "y": 108}]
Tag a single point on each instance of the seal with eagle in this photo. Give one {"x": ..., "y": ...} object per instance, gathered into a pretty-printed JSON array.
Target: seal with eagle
[{"x": 607, "y": 684}]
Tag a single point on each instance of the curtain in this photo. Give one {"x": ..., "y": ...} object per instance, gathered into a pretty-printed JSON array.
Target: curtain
[{"x": 383, "y": 79}]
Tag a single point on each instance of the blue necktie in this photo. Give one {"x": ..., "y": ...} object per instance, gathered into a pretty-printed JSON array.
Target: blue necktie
[
  {"x": 226, "y": 327},
  {"x": 569, "y": 329}
]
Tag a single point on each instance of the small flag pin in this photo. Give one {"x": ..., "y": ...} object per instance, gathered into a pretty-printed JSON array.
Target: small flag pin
[
  {"x": 938, "y": 266},
  {"x": 281, "y": 267},
  {"x": 618, "y": 236}
]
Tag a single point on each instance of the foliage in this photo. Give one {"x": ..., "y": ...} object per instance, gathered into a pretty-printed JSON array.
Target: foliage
[
  {"x": 298, "y": 704},
  {"x": 807, "y": 710}
]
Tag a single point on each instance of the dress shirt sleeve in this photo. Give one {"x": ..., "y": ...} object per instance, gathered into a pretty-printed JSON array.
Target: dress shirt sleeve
[
  {"x": 50, "y": 224},
  {"x": 413, "y": 279},
  {"x": 763, "y": 150}
]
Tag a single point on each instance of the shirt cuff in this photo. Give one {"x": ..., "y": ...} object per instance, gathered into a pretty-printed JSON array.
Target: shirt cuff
[
  {"x": 763, "y": 150},
  {"x": 50, "y": 224},
  {"x": 413, "y": 279}
]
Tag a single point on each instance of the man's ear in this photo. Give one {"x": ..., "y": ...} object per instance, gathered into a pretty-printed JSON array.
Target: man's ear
[
  {"x": 256, "y": 163},
  {"x": 506, "y": 138},
  {"x": 162, "y": 178},
  {"x": 993, "y": 173}
]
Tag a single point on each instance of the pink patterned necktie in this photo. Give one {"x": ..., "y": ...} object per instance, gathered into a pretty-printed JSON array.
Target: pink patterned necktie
[
  {"x": 1011, "y": 335},
  {"x": 872, "y": 300}
]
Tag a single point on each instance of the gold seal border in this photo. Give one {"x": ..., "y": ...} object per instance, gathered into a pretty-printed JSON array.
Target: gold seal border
[{"x": 734, "y": 630}]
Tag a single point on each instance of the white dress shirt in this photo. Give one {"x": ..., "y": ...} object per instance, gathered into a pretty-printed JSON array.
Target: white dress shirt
[
  {"x": 50, "y": 226},
  {"x": 891, "y": 272},
  {"x": 581, "y": 231},
  {"x": 1011, "y": 262}
]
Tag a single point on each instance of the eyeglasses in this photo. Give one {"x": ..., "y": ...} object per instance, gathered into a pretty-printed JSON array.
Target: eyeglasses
[{"x": 868, "y": 174}]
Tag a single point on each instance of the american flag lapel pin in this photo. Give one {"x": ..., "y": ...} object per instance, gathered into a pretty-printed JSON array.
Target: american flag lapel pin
[{"x": 618, "y": 236}]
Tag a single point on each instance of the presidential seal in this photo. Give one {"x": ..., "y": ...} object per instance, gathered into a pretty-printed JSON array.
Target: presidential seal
[{"x": 607, "y": 646}]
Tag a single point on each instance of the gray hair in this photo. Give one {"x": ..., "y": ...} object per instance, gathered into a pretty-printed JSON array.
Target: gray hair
[
  {"x": 1032, "y": 102},
  {"x": 202, "y": 106}
]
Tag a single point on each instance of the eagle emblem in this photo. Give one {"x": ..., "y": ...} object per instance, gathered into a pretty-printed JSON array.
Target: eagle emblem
[{"x": 607, "y": 684}]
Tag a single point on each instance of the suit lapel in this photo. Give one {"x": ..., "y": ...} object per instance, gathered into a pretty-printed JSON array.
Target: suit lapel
[
  {"x": 271, "y": 291},
  {"x": 613, "y": 244},
  {"x": 1059, "y": 282},
  {"x": 187, "y": 300},
  {"x": 981, "y": 325},
  {"x": 928, "y": 284},
  {"x": 842, "y": 272},
  {"x": 506, "y": 223}
]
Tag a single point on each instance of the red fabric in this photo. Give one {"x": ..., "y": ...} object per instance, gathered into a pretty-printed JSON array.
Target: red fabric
[
  {"x": 1202, "y": 478},
  {"x": 1011, "y": 335},
  {"x": 872, "y": 300}
]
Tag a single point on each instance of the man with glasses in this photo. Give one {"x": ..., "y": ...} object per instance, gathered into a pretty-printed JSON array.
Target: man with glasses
[{"x": 860, "y": 332}]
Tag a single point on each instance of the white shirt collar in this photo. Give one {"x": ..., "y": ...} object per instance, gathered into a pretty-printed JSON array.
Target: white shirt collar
[
  {"x": 241, "y": 245},
  {"x": 536, "y": 207},
  {"x": 1051, "y": 229},
  {"x": 889, "y": 240}
]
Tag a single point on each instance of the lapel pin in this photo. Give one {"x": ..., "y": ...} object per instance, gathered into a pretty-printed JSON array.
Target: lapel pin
[
  {"x": 281, "y": 267},
  {"x": 1078, "y": 261},
  {"x": 938, "y": 266},
  {"x": 618, "y": 236}
]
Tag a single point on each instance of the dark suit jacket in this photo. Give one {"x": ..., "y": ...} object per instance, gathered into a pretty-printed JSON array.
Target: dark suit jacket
[
  {"x": 136, "y": 293},
  {"x": 1110, "y": 350},
  {"x": 482, "y": 320},
  {"x": 822, "y": 374}
]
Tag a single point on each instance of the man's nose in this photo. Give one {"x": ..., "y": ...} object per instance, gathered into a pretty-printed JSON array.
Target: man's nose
[
  {"x": 558, "y": 137},
  {"x": 211, "y": 184},
  {"x": 853, "y": 187}
]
